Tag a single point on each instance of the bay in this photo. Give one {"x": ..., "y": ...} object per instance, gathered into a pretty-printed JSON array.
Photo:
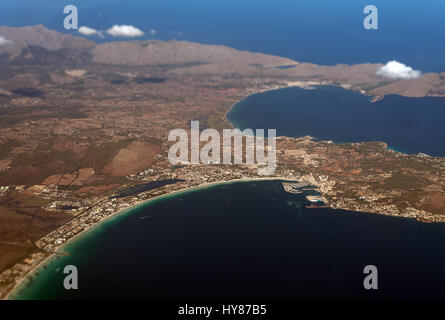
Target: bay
[
  {"x": 247, "y": 240},
  {"x": 409, "y": 125}
]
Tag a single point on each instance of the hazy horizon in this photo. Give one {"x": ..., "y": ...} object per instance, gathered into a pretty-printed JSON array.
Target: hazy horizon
[{"x": 320, "y": 31}]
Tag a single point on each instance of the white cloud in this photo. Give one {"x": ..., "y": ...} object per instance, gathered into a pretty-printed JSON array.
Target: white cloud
[
  {"x": 397, "y": 70},
  {"x": 126, "y": 31},
  {"x": 4, "y": 41},
  {"x": 153, "y": 32},
  {"x": 87, "y": 31}
]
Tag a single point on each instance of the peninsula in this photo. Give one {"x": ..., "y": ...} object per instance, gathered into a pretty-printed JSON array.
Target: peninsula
[{"x": 83, "y": 122}]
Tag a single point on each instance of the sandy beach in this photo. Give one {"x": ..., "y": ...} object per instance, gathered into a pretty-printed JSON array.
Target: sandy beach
[
  {"x": 127, "y": 210},
  {"x": 188, "y": 189}
]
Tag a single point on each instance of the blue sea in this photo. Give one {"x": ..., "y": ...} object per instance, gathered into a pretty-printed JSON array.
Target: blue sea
[
  {"x": 409, "y": 125},
  {"x": 249, "y": 240},
  {"x": 253, "y": 240},
  {"x": 318, "y": 31}
]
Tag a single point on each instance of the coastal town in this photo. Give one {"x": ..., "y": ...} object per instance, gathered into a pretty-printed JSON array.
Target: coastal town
[
  {"x": 87, "y": 212},
  {"x": 83, "y": 141}
]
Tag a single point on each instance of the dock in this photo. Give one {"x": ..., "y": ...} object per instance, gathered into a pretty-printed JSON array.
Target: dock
[
  {"x": 295, "y": 187},
  {"x": 316, "y": 200}
]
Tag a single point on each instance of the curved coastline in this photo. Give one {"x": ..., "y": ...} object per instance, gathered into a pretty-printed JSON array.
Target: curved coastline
[
  {"x": 23, "y": 283},
  {"x": 308, "y": 85},
  {"x": 372, "y": 99},
  {"x": 301, "y": 85}
]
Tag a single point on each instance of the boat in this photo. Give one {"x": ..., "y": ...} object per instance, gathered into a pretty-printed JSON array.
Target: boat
[{"x": 317, "y": 204}]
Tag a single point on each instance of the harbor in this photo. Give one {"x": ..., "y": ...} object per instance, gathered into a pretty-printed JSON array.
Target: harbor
[{"x": 313, "y": 196}]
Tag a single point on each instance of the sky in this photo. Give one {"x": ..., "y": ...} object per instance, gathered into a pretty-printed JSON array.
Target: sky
[{"x": 318, "y": 31}]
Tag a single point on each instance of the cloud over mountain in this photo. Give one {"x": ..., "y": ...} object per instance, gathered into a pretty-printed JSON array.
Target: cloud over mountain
[
  {"x": 396, "y": 70},
  {"x": 126, "y": 31},
  {"x": 4, "y": 41},
  {"x": 87, "y": 31}
]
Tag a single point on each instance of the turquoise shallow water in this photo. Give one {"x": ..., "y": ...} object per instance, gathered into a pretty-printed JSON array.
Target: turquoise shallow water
[{"x": 247, "y": 240}]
